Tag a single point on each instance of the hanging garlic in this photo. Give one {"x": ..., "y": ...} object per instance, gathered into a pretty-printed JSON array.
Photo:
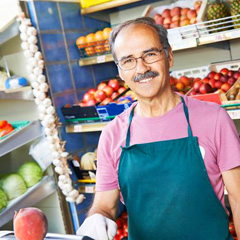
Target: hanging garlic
[
  {"x": 59, "y": 170},
  {"x": 43, "y": 87},
  {"x": 31, "y": 31},
  {"x": 38, "y": 55},
  {"x": 80, "y": 199},
  {"x": 41, "y": 64},
  {"x": 41, "y": 79},
  {"x": 50, "y": 110},
  {"x": 24, "y": 45},
  {"x": 23, "y": 28},
  {"x": 47, "y": 102},
  {"x": 33, "y": 48},
  {"x": 24, "y": 36},
  {"x": 32, "y": 40}
]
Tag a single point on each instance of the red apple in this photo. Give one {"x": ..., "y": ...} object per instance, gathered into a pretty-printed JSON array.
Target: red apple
[
  {"x": 101, "y": 86},
  {"x": 167, "y": 20},
  {"x": 174, "y": 25},
  {"x": 175, "y": 11},
  {"x": 91, "y": 102},
  {"x": 197, "y": 4},
  {"x": 30, "y": 224},
  {"x": 158, "y": 19},
  {"x": 197, "y": 85},
  {"x": 217, "y": 76},
  {"x": 166, "y": 13},
  {"x": 225, "y": 87},
  {"x": 193, "y": 20},
  {"x": 108, "y": 90},
  {"x": 230, "y": 73},
  {"x": 121, "y": 89},
  {"x": 192, "y": 93},
  {"x": 176, "y": 18},
  {"x": 167, "y": 26},
  {"x": 197, "y": 79},
  {"x": 183, "y": 17},
  {"x": 100, "y": 95},
  {"x": 184, "y": 11},
  {"x": 172, "y": 80},
  {"x": 185, "y": 80},
  {"x": 113, "y": 83},
  {"x": 206, "y": 80},
  {"x": 224, "y": 79},
  {"x": 91, "y": 91},
  {"x": 191, "y": 14},
  {"x": 114, "y": 95},
  {"x": 236, "y": 75},
  {"x": 87, "y": 96},
  {"x": 218, "y": 84},
  {"x": 106, "y": 101},
  {"x": 211, "y": 74},
  {"x": 184, "y": 22},
  {"x": 205, "y": 88},
  {"x": 231, "y": 81},
  {"x": 224, "y": 71},
  {"x": 212, "y": 82}
]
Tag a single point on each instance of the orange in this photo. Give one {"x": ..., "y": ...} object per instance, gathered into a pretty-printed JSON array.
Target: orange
[
  {"x": 81, "y": 42},
  {"x": 106, "y": 33},
  {"x": 90, "y": 51},
  {"x": 99, "y": 48},
  {"x": 106, "y": 46},
  {"x": 90, "y": 39},
  {"x": 99, "y": 36}
]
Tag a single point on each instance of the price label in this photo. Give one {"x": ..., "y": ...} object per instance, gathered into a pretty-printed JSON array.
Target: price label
[
  {"x": 101, "y": 59},
  {"x": 78, "y": 128},
  {"x": 234, "y": 114},
  {"x": 220, "y": 37},
  {"x": 89, "y": 189}
]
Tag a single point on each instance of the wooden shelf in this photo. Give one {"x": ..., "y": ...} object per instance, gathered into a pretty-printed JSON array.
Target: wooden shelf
[{"x": 107, "y": 5}]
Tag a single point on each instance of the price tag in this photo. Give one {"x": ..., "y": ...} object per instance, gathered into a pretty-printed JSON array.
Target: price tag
[
  {"x": 78, "y": 128},
  {"x": 90, "y": 189},
  {"x": 101, "y": 59},
  {"x": 220, "y": 37},
  {"x": 234, "y": 114}
]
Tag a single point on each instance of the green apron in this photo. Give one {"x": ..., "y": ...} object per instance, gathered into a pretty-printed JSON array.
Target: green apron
[{"x": 167, "y": 191}]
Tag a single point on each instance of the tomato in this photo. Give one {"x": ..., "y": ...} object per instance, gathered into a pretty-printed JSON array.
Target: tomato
[
  {"x": 124, "y": 215},
  {"x": 3, "y": 123},
  {"x": 232, "y": 229}
]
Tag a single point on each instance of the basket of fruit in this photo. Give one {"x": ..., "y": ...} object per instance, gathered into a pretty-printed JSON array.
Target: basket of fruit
[{"x": 94, "y": 44}]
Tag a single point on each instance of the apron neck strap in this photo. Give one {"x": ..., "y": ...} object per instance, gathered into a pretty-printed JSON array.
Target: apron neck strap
[
  {"x": 131, "y": 117},
  {"x": 187, "y": 117}
]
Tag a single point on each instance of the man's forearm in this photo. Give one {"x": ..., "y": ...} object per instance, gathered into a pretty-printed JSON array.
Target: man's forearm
[
  {"x": 236, "y": 216},
  {"x": 105, "y": 212}
]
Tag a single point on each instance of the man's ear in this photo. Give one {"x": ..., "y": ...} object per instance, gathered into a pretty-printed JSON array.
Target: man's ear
[{"x": 170, "y": 57}]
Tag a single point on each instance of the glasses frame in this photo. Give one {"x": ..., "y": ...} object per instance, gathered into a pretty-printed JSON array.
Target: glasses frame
[{"x": 158, "y": 50}]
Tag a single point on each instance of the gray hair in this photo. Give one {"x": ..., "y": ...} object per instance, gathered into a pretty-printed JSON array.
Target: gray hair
[{"x": 161, "y": 31}]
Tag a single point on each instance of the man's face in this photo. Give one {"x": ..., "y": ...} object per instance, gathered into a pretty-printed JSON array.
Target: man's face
[{"x": 134, "y": 41}]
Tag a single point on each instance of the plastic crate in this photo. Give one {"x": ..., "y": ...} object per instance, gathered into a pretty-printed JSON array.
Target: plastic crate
[{"x": 17, "y": 126}]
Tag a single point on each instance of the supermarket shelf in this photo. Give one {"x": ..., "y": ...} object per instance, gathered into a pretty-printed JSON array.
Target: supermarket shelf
[
  {"x": 21, "y": 137},
  {"x": 107, "y": 5},
  {"x": 96, "y": 60},
  {"x": 24, "y": 93},
  {"x": 86, "y": 127},
  {"x": 33, "y": 195}
]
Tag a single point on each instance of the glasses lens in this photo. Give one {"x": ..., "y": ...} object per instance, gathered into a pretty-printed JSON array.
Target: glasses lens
[
  {"x": 127, "y": 63},
  {"x": 151, "y": 57}
]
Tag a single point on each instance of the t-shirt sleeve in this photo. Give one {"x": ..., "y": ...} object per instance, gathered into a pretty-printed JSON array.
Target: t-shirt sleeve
[
  {"x": 227, "y": 142},
  {"x": 106, "y": 177}
]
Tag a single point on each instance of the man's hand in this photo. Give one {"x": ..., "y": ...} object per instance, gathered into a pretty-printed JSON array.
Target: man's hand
[{"x": 98, "y": 227}]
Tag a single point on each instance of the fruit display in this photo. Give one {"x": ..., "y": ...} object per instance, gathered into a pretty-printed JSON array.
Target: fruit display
[
  {"x": 217, "y": 9},
  {"x": 220, "y": 81},
  {"x": 235, "y": 10},
  {"x": 5, "y": 128},
  {"x": 178, "y": 16},
  {"x": 105, "y": 93},
  {"x": 122, "y": 225},
  {"x": 30, "y": 224},
  {"x": 94, "y": 43},
  {"x": 232, "y": 230}
]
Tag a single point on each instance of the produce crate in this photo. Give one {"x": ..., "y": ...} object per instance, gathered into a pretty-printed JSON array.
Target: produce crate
[
  {"x": 17, "y": 126},
  {"x": 232, "y": 104}
]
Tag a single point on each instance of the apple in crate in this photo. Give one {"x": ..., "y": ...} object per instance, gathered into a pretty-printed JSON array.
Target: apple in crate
[
  {"x": 100, "y": 95},
  {"x": 101, "y": 86},
  {"x": 205, "y": 88},
  {"x": 166, "y": 13},
  {"x": 30, "y": 224},
  {"x": 225, "y": 87},
  {"x": 108, "y": 90},
  {"x": 114, "y": 83},
  {"x": 88, "y": 96},
  {"x": 224, "y": 71},
  {"x": 91, "y": 90}
]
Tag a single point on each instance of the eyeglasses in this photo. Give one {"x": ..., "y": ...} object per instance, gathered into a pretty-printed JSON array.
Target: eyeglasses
[{"x": 149, "y": 57}]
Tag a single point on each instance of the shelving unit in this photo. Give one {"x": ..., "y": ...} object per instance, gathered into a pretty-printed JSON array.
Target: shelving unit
[
  {"x": 107, "y": 5},
  {"x": 24, "y": 93},
  {"x": 33, "y": 195},
  {"x": 86, "y": 127},
  {"x": 19, "y": 138},
  {"x": 96, "y": 60}
]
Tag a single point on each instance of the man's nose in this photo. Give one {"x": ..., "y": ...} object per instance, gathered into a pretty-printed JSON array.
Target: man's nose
[{"x": 142, "y": 67}]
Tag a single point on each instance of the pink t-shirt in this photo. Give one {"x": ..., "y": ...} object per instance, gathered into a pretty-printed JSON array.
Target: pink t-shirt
[{"x": 217, "y": 137}]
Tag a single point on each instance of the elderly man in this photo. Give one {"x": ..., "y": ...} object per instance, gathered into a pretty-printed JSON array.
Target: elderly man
[{"x": 167, "y": 157}]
